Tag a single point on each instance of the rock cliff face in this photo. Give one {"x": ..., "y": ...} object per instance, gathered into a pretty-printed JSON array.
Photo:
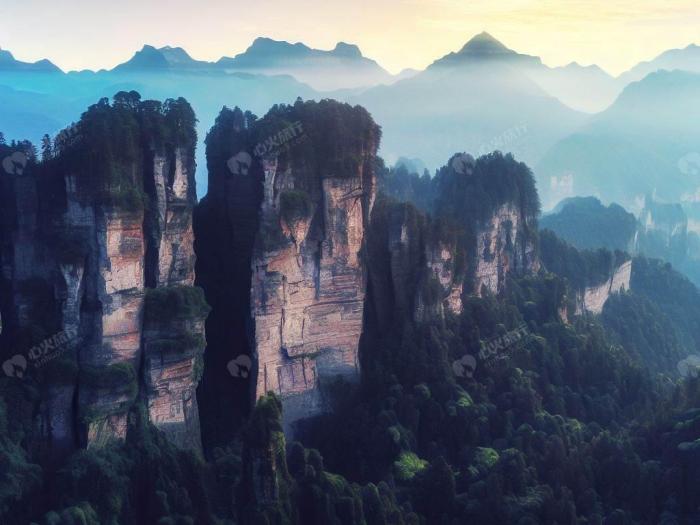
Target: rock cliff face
[
  {"x": 422, "y": 266},
  {"x": 504, "y": 246},
  {"x": 86, "y": 236},
  {"x": 313, "y": 193},
  {"x": 414, "y": 270},
  {"x": 493, "y": 203},
  {"x": 665, "y": 232},
  {"x": 593, "y": 298}
]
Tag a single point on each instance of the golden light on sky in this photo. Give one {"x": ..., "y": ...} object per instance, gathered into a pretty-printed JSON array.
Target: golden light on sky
[{"x": 616, "y": 34}]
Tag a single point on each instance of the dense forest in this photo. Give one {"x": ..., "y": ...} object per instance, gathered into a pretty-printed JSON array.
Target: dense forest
[
  {"x": 588, "y": 225},
  {"x": 581, "y": 420}
]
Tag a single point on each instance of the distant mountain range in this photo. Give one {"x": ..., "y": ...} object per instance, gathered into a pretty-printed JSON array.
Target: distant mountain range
[
  {"x": 687, "y": 59},
  {"x": 344, "y": 67},
  {"x": 9, "y": 63},
  {"x": 647, "y": 142},
  {"x": 582, "y": 130}
]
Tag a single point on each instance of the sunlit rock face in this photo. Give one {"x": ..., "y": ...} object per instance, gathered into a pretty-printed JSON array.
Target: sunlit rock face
[
  {"x": 93, "y": 229},
  {"x": 308, "y": 286},
  {"x": 503, "y": 246},
  {"x": 308, "y": 297},
  {"x": 291, "y": 195},
  {"x": 593, "y": 298}
]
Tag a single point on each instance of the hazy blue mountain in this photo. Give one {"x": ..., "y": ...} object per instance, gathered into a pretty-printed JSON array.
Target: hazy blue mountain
[
  {"x": 478, "y": 99},
  {"x": 24, "y": 114},
  {"x": 647, "y": 142},
  {"x": 587, "y": 224},
  {"x": 9, "y": 63},
  {"x": 661, "y": 232},
  {"x": 151, "y": 59},
  {"x": 406, "y": 73},
  {"x": 342, "y": 67},
  {"x": 584, "y": 88},
  {"x": 411, "y": 165},
  {"x": 686, "y": 59},
  {"x": 483, "y": 48}
]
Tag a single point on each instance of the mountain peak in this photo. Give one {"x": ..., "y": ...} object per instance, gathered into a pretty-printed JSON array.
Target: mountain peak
[
  {"x": 147, "y": 58},
  {"x": 263, "y": 44},
  {"x": 484, "y": 44},
  {"x": 9, "y": 62},
  {"x": 166, "y": 57},
  {"x": 347, "y": 50},
  {"x": 5, "y": 55},
  {"x": 176, "y": 55},
  {"x": 483, "y": 48}
]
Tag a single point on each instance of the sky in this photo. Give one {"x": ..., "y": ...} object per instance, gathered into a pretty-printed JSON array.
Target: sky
[{"x": 94, "y": 34}]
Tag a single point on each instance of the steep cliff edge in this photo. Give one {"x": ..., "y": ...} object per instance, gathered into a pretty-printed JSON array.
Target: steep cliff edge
[
  {"x": 87, "y": 233},
  {"x": 480, "y": 229},
  {"x": 593, "y": 275},
  {"x": 593, "y": 298},
  {"x": 291, "y": 194}
]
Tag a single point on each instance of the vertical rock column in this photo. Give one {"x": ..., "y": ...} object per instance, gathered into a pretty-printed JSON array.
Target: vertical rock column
[
  {"x": 85, "y": 236},
  {"x": 109, "y": 357},
  {"x": 308, "y": 291},
  {"x": 174, "y": 318},
  {"x": 308, "y": 273},
  {"x": 280, "y": 240},
  {"x": 503, "y": 246}
]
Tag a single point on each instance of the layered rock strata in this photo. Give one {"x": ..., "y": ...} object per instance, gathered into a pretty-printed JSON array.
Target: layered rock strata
[
  {"x": 307, "y": 272},
  {"x": 504, "y": 246},
  {"x": 85, "y": 235}
]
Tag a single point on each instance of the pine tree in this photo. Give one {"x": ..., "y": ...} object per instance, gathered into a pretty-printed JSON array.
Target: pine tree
[{"x": 46, "y": 148}]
